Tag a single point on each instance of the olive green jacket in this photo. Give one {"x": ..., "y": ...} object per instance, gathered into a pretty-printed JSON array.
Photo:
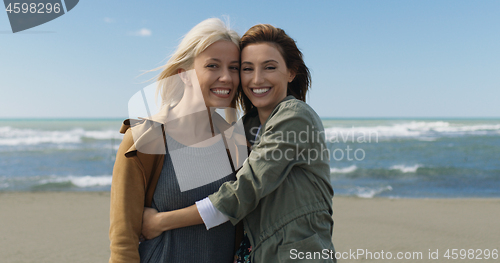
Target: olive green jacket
[{"x": 283, "y": 192}]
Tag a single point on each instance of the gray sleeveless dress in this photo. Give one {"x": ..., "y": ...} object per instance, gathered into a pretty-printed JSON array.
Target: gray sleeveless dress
[{"x": 194, "y": 243}]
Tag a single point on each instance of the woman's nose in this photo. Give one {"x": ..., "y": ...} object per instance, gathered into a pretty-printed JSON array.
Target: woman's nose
[
  {"x": 257, "y": 77},
  {"x": 225, "y": 76}
]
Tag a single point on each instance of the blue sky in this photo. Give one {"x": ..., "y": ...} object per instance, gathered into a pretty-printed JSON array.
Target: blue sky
[{"x": 367, "y": 58}]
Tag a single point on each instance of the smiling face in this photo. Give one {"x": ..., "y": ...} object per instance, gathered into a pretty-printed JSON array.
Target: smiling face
[
  {"x": 217, "y": 70},
  {"x": 264, "y": 76}
]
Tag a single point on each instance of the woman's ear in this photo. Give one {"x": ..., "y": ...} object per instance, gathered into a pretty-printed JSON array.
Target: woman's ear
[
  {"x": 184, "y": 76},
  {"x": 291, "y": 75}
]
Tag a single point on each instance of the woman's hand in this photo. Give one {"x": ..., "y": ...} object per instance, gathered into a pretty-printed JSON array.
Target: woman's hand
[{"x": 151, "y": 223}]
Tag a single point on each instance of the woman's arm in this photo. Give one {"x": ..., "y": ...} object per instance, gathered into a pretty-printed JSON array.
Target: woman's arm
[
  {"x": 155, "y": 223},
  {"x": 286, "y": 141},
  {"x": 236, "y": 199},
  {"x": 126, "y": 205}
]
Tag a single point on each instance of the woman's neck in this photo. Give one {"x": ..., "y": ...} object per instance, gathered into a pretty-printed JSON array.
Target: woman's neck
[
  {"x": 189, "y": 121},
  {"x": 263, "y": 115},
  {"x": 265, "y": 112}
]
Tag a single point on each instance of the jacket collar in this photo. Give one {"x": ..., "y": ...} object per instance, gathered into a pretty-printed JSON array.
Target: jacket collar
[{"x": 144, "y": 131}]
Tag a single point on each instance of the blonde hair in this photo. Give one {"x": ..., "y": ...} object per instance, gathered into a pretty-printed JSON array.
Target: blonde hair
[{"x": 199, "y": 38}]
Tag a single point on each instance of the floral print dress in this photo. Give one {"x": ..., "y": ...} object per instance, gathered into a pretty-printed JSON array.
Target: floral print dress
[{"x": 243, "y": 253}]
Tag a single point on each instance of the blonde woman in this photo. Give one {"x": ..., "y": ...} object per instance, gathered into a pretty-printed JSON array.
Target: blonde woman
[{"x": 205, "y": 67}]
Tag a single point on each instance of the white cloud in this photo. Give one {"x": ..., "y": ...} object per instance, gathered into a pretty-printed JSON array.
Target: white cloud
[
  {"x": 143, "y": 32},
  {"x": 109, "y": 20}
]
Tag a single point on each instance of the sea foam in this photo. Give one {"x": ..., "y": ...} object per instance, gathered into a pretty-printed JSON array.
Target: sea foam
[
  {"x": 425, "y": 130},
  {"x": 344, "y": 170},
  {"x": 13, "y": 136},
  {"x": 369, "y": 192},
  {"x": 405, "y": 169}
]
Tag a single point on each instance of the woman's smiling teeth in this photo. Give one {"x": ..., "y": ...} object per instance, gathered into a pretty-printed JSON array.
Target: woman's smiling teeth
[
  {"x": 221, "y": 91},
  {"x": 260, "y": 90}
]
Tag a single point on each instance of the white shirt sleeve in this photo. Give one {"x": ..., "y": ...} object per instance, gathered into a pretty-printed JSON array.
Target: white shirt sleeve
[{"x": 210, "y": 215}]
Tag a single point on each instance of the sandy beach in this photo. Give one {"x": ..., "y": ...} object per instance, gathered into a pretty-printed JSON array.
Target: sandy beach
[
  {"x": 416, "y": 225},
  {"x": 54, "y": 227},
  {"x": 73, "y": 227}
]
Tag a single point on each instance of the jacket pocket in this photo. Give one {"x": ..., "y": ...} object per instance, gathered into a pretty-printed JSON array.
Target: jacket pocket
[{"x": 305, "y": 250}]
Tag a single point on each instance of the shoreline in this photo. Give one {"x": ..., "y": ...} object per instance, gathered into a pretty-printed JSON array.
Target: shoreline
[{"x": 334, "y": 198}]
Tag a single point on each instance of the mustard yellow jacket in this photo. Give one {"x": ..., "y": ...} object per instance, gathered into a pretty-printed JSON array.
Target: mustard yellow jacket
[{"x": 135, "y": 175}]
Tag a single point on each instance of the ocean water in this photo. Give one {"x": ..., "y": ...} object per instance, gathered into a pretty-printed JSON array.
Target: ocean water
[
  {"x": 398, "y": 158},
  {"x": 423, "y": 158},
  {"x": 58, "y": 155}
]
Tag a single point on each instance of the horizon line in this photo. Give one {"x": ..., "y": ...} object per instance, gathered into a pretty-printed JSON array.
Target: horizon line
[{"x": 322, "y": 117}]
